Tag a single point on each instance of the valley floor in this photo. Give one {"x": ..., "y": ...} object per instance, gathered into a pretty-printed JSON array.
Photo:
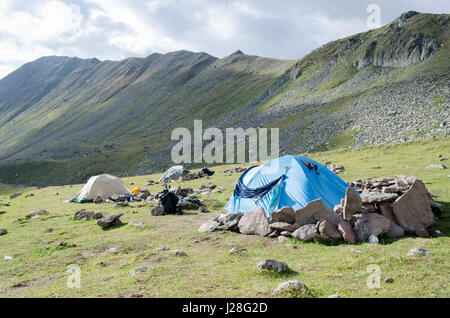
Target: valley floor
[{"x": 40, "y": 269}]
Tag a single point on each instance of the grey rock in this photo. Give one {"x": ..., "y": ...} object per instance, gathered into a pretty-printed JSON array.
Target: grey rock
[
  {"x": 377, "y": 197},
  {"x": 373, "y": 239},
  {"x": 273, "y": 265},
  {"x": 286, "y": 214},
  {"x": 3, "y": 232},
  {"x": 389, "y": 280},
  {"x": 254, "y": 223},
  {"x": 412, "y": 210},
  {"x": 180, "y": 253},
  {"x": 377, "y": 224},
  {"x": 329, "y": 231},
  {"x": 418, "y": 251},
  {"x": 436, "y": 167},
  {"x": 229, "y": 221},
  {"x": 290, "y": 286},
  {"x": 436, "y": 207},
  {"x": 237, "y": 250},
  {"x": 139, "y": 270},
  {"x": 347, "y": 232},
  {"x": 36, "y": 213},
  {"x": 281, "y": 226},
  {"x": 282, "y": 239},
  {"x": 361, "y": 231},
  {"x": 305, "y": 233},
  {"x": 209, "y": 226},
  {"x": 395, "y": 231},
  {"x": 158, "y": 211},
  {"x": 163, "y": 249},
  {"x": 318, "y": 210},
  {"x": 109, "y": 221},
  {"x": 352, "y": 203},
  {"x": 15, "y": 195}
]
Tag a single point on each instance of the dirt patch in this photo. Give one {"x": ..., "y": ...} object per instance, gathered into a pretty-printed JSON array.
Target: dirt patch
[{"x": 28, "y": 283}]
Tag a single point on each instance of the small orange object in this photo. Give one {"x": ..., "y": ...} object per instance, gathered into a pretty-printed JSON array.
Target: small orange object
[{"x": 136, "y": 190}]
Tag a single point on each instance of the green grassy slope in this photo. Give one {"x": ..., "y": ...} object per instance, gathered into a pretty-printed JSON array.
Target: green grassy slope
[{"x": 39, "y": 269}]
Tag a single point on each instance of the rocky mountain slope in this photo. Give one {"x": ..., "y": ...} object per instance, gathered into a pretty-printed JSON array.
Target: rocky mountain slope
[{"x": 64, "y": 119}]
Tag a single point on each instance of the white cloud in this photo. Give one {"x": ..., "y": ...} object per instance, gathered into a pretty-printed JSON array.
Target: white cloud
[{"x": 114, "y": 29}]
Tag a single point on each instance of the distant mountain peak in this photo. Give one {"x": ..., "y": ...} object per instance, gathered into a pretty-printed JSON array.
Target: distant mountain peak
[{"x": 238, "y": 52}]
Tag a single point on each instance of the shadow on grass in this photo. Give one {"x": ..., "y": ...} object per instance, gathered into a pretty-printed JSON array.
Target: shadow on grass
[
  {"x": 114, "y": 227},
  {"x": 275, "y": 274}
]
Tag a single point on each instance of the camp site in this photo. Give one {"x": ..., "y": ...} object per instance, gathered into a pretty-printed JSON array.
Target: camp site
[
  {"x": 224, "y": 157},
  {"x": 310, "y": 230}
]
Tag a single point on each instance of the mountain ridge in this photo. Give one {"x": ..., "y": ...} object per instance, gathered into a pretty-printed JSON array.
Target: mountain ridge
[{"x": 80, "y": 117}]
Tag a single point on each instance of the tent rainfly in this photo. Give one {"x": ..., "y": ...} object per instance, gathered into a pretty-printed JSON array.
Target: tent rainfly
[
  {"x": 104, "y": 185},
  {"x": 173, "y": 173},
  {"x": 289, "y": 181}
]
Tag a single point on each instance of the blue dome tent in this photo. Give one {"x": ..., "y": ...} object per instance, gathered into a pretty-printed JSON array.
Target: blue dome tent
[{"x": 289, "y": 181}]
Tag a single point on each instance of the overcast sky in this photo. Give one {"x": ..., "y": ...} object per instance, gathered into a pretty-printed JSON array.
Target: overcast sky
[{"x": 115, "y": 29}]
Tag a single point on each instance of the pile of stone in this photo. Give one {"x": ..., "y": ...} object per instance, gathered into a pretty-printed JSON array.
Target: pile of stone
[
  {"x": 390, "y": 207},
  {"x": 334, "y": 168},
  {"x": 194, "y": 176},
  {"x": 234, "y": 170}
]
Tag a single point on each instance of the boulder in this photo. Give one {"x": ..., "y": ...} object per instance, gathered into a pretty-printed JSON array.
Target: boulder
[
  {"x": 187, "y": 205},
  {"x": 3, "y": 232},
  {"x": 436, "y": 167},
  {"x": 273, "y": 265},
  {"x": 317, "y": 210},
  {"x": 87, "y": 215},
  {"x": 254, "y": 223},
  {"x": 373, "y": 239},
  {"x": 367, "y": 208},
  {"x": 180, "y": 253},
  {"x": 395, "y": 231},
  {"x": 237, "y": 250},
  {"x": 329, "y": 230},
  {"x": 286, "y": 214},
  {"x": 419, "y": 251},
  {"x": 158, "y": 211},
  {"x": 306, "y": 232},
  {"x": 286, "y": 233},
  {"x": 281, "y": 226},
  {"x": 139, "y": 270},
  {"x": 377, "y": 224},
  {"x": 229, "y": 221},
  {"x": 436, "y": 207},
  {"x": 109, "y": 221},
  {"x": 36, "y": 213},
  {"x": 210, "y": 226},
  {"x": 15, "y": 195},
  {"x": 347, "y": 232},
  {"x": 387, "y": 211},
  {"x": 289, "y": 287},
  {"x": 361, "y": 231},
  {"x": 352, "y": 203},
  {"x": 339, "y": 209},
  {"x": 282, "y": 239},
  {"x": 377, "y": 197},
  {"x": 412, "y": 210}
]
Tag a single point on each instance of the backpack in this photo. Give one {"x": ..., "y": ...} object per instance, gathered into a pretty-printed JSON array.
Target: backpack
[{"x": 169, "y": 201}]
